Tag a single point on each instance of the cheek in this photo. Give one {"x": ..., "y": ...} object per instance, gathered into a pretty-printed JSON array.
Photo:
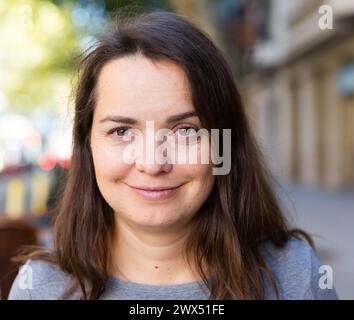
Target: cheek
[
  {"x": 108, "y": 163},
  {"x": 200, "y": 176},
  {"x": 201, "y": 182}
]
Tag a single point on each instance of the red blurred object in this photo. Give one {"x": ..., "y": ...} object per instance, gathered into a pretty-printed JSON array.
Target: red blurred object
[
  {"x": 64, "y": 163},
  {"x": 48, "y": 162},
  {"x": 15, "y": 169}
]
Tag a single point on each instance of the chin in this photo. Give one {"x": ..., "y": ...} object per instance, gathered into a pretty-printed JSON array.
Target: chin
[{"x": 158, "y": 218}]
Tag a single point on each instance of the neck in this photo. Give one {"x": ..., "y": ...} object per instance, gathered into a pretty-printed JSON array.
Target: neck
[{"x": 149, "y": 256}]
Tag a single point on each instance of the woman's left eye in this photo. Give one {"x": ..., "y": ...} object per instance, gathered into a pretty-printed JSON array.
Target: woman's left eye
[{"x": 186, "y": 131}]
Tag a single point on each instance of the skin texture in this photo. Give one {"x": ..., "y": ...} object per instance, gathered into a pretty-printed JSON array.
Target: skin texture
[{"x": 150, "y": 233}]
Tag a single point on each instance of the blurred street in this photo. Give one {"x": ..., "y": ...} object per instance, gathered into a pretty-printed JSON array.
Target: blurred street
[
  {"x": 24, "y": 192},
  {"x": 329, "y": 218}
]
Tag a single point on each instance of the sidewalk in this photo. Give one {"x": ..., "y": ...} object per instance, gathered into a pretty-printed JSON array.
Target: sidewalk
[{"x": 329, "y": 218}]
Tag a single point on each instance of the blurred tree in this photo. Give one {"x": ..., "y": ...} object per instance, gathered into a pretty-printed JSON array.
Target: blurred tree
[
  {"x": 39, "y": 39},
  {"x": 37, "y": 42},
  {"x": 200, "y": 12}
]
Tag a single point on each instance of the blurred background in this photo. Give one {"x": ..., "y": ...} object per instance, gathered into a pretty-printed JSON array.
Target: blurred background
[{"x": 292, "y": 60}]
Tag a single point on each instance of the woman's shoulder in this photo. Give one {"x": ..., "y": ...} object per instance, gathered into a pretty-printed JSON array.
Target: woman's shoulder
[
  {"x": 39, "y": 280},
  {"x": 297, "y": 270},
  {"x": 293, "y": 252}
]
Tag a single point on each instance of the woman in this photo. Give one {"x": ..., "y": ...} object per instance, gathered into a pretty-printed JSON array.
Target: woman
[{"x": 161, "y": 229}]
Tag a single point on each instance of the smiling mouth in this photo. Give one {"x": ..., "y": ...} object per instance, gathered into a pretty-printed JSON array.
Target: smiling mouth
[{"x": 156, "y": 193}]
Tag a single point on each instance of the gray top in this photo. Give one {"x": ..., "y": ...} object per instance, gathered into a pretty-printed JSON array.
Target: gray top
[{"x": 295, "y": 268}]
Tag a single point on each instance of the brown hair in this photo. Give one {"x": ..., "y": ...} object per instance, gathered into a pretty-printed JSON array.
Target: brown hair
[{"x": 241, "y": 213}]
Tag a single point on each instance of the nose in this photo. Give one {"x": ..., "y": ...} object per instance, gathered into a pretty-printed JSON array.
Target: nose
[
  {"x": 154, "y": 169},
  {"x": 151, "y": 162}
]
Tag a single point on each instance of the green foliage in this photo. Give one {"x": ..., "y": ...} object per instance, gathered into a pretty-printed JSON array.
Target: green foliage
[{"x": 39, "y": 39}]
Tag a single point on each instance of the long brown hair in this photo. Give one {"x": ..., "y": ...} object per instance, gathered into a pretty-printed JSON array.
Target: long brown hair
[{"x": 241, "y": 213}]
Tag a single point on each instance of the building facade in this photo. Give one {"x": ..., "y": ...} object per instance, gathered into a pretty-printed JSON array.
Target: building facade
[{"x": 300, "y": 97}]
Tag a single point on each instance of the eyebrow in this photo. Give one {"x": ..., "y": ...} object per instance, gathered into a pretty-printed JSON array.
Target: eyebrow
[{"x": 132, "y": 121}]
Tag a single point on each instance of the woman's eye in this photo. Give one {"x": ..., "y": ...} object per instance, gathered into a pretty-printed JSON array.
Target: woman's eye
[
  {"x": 186, "y": 131},
  {"x": 121, "y": 132}
]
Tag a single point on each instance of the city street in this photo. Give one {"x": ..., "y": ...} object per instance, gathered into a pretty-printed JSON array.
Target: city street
[
  {"x": 24, "y": 193},
  {"x": 329, "y": 218}
]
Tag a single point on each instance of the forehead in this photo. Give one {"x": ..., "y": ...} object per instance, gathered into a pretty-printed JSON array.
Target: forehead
[{"x": 136, "y": 84}]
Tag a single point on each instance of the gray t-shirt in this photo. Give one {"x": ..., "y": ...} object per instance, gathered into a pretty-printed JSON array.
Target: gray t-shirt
[{"x": 295, "y": 268}]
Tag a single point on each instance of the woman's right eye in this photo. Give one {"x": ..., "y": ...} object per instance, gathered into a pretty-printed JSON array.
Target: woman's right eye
[{"x": 121, "y": 132}]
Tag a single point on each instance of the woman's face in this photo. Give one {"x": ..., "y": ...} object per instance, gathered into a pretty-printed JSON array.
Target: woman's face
[{"x": 130, "y": 91}]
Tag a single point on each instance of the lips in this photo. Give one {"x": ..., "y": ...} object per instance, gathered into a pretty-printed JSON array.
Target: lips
[
  {"x": 155, "y": 188},
  {"x": 155, "y": 193}
]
